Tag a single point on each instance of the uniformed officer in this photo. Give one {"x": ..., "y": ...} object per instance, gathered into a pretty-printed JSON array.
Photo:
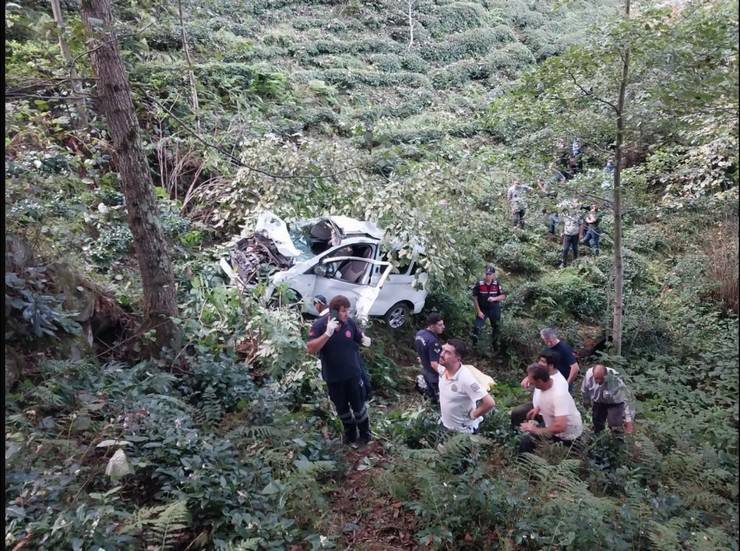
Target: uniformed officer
[
  {"x": 428, "y": 349},
  {"x": 336, "y": 339},
  {"x": 487, "y": 296}
]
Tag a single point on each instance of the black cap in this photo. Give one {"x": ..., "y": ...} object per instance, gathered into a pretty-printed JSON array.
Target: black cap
[
  {"x": 490, "y": 270},
  {"x": 321, "y": 299}
]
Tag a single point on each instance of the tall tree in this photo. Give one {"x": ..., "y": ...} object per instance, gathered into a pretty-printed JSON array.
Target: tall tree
[
  {"x": 81, "y": 120},
  {"x": 618, "y": 307},
  {"x": 114, "y": 99}
]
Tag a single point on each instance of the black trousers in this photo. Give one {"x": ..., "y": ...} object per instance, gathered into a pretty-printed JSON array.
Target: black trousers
[
  {"x": 570, "y": 242},
  {"x": 613, "y": 414},
  {"x": 432, "y": 381},
  {"x": 519, "y": 415},
  {"x": 529, "y": 442},
  {"x": 494, "y": 316},
  {"x": 348, "y": 398}
]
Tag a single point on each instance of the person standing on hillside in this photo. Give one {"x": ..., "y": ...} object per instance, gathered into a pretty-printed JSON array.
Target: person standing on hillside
[
  {"x": 608, "y": 178},
  {"x": 460, "y": 391},
  {"x": 322, "y": 307},
  {"x": 604, "y": 390},
  {"x": 487, "y": 296},
  {"x": 567, "y": 363},
  {"x": 336, "y": 339},
  {"x": 592, "y": 233},
  {"x": 571, "y": 228},
  {"x": 428, "y": 349},
  {"x": 558, "y": 410},
  {"x": 516, "y": 195}
]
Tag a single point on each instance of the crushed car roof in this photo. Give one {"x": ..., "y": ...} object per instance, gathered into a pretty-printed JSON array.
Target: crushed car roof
[{"x": 353, "y": 226}]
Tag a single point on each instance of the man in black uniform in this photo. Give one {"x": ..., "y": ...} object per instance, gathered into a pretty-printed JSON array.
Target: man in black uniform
[
  {"x": 428, "y": 349},
  {"x": 487, "y": 295},
  {"x": 336, "y": 339}
]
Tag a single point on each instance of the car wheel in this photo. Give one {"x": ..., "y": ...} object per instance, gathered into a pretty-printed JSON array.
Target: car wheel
[{"x": 398, "y": 315}]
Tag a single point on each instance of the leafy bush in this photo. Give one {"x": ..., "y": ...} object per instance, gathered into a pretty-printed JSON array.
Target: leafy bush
[
  {"x": 113, "y": 242},
  {"x": 517, "y": 257},
  {"x": 568, "y": 289},
  {"x": 456, "y": 17},
  {"x": 473, "y": 43},
  {"x": 513, "y": 55}
]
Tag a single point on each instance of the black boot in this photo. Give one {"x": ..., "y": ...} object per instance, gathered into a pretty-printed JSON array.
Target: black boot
[
  {"x": 350, "y": 432},
  {"x": 365, "y": 435}
]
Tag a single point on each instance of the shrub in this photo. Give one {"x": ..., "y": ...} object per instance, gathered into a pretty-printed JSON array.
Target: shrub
[
  {"x": 469, "y": 44},
  {"x": 513, "y": 55},
  {"x": 517, "y": 257},
  {"x": 113, "y": 242},
  {"x": 455, "y": 17},
  {"x": 570, "y": 291},
  {"x": 459, "y": 73},
  {"x": 722, "y": 262},
  {"x": 414, "y": 63},
  {"x": 388, "y": 63}
]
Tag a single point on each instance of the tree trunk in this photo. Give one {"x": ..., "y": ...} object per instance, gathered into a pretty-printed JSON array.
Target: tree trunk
[
  {"x": 618, "y": 310},
  {"x": 81, "y": 121},
  {"x": 114, "y": 94},
  {"x": 191, "y": 74},
  {"x": 410, "y": 4}
]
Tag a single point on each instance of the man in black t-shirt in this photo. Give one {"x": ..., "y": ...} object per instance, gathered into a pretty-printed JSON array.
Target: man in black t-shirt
[
  {"x": 428, "y": 349},
  {"x": 487, "y": 295},
  {"x": 336, "y": 339},
  {"x": 567, "y": 363}
]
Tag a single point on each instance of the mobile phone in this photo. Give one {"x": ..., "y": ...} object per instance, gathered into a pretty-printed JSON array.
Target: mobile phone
[{"x": 334, "y": 314}]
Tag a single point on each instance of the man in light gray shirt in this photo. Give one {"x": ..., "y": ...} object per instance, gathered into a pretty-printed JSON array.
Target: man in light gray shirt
[{"x": 604, "y": 390}]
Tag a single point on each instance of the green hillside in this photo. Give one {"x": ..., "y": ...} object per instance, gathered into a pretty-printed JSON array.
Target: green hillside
[{"x": 417, "y": 115}]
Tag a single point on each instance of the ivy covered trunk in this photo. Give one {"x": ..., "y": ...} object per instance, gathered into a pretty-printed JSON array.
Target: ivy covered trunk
[{"x": 114, "y": 100}]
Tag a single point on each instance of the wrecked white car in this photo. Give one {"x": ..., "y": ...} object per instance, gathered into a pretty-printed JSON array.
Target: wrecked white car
[{"x": 331, "y": 256}]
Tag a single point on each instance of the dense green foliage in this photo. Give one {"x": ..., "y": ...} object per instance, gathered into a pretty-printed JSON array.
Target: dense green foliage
[{"x": 311, "y": 108}]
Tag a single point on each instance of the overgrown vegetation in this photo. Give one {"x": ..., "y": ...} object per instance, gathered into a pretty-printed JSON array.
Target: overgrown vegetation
[{"x": 313, "y": 108}]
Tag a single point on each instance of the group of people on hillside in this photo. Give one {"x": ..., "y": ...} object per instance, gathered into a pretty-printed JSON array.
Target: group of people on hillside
[
  {"x": 579, "y": 227},
  {"x": 550, "y": 413},
  {"x": 460, "y": 390}
]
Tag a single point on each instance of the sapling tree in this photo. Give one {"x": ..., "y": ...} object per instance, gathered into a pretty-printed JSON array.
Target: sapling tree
[{"x": 627, "y": 88}]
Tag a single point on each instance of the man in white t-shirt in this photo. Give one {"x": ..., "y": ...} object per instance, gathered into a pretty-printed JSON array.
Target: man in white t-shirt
[
  {"x": 556, "y": 406},
  {"x": 460, "y": 391},
  {"x": 526, "y": 411}
]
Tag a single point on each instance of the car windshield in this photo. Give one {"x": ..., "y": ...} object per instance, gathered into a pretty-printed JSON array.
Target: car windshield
[
  {"x": 310, "y": 238},
  {"x": 300, "y": 236}
]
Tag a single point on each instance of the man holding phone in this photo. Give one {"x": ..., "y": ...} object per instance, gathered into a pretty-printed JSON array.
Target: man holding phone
[{"x": 336, "y": 338}]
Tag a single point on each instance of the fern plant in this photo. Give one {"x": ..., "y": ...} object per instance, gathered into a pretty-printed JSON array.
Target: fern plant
[{"x": 161, "y": 527}]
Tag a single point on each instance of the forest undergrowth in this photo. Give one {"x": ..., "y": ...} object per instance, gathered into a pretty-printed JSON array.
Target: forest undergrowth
[{"x": 230, "y": 442}]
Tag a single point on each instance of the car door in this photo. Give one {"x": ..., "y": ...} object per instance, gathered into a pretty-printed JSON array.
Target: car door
[
  {"x": 361, "y": 294},
  {"x": 329, "y": 283},
  {"x": 407, "y": 286}
]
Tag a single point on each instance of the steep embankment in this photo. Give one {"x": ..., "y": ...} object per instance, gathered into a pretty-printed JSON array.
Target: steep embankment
[{"x": 230, "y": 443}]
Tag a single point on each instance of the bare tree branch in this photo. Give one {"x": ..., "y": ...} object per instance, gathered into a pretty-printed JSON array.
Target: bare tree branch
[
  {"x": 236, "y": 161},
  {"x": 590, "y": 94}
]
